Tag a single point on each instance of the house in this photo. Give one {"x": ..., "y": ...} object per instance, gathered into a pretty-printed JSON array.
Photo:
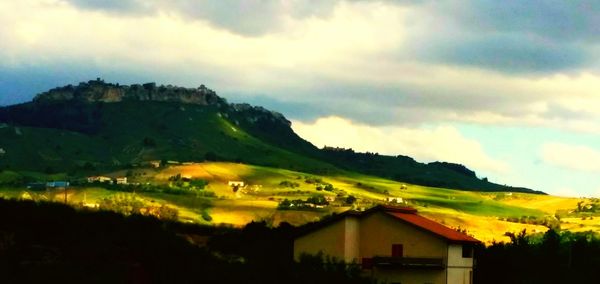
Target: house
[
  {"x": 101, "y": 179},
  {"x": 394, "y": 199},
  {"x": 393, "y": 245},
  {"x": 57, "y": 184},
  {"x": 236, "y": 183},
  {"x": 2, "y": 151},
  {"x": 121, "y": 180},
  {"x": 153, "y": 164}
]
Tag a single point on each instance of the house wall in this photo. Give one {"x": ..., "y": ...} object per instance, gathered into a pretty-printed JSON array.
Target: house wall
[
  {"x": 330, "y": 240},
  {"x": 459, "y": 268},
  {"x": 352, "y": 239},
  {"x": 379, "y": 231}
]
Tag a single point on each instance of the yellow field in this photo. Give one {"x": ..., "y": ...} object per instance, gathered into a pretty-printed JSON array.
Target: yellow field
[{"x": 477, "y": 212}]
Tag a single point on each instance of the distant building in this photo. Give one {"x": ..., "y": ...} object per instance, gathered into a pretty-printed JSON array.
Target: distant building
[
  {"x": 121, "y": 180},
  {"x": 99, "y": 179},
  {"x": 236, "y": 183},
  {"x": 2, "y": 152},
  {"x": 394, "y": 199},
  {"x": 154, "y": 164},
  {"x": 393, "y": 245},
  {"x": 57, "y": 184},
  {"x": 330, "y": 198}
]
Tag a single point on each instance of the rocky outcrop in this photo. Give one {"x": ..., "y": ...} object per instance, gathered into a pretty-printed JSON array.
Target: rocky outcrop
[
  {"x": 254, "y": 114},
  {"x": 99, "y": 91}
]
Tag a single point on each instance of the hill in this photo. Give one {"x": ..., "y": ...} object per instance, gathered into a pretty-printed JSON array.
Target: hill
[
  {"x": 97, "y": 126},
  {"x": 201, "y": 193}
]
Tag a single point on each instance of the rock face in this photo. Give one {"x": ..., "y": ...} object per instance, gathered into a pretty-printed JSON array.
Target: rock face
[
  {"x": 99, "y": 91},
  {"x": 254, "y": 114}
]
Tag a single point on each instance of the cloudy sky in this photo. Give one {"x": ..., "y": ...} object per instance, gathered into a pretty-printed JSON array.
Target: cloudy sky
[{"x": 508, "y": 88}]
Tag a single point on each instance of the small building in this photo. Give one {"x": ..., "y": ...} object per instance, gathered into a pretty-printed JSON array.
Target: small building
[
  {"x": 398, "y": 200},
  {"x": 154, "y": 164},
  {"x": 57, "y": 185},
  {"x": 393, "y": 245},
  {"x": 329, "y": 198},
  {"x": 2, "y": 152},
  {"x": 101, "y": 179},
  {"x": 236, "y": 183},
  {"x": 121, "y": 180}
]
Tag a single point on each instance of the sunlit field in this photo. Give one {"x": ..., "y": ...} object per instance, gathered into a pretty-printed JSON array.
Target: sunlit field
[{"x": 485, "y": 215}]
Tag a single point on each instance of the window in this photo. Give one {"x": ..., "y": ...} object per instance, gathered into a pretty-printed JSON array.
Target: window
[
  {"x": 397, "y": 250},
  {"x": 467, "y": 251}
]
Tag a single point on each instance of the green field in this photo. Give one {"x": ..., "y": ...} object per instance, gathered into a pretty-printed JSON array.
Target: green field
[{"x": 481, "y": 214}]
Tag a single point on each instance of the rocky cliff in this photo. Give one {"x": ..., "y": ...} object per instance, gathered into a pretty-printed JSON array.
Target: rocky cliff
[{"x": 99, "y": 91}]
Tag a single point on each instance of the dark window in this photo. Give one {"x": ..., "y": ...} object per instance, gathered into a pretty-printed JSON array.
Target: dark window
[
  {"x": 397, "y": 250},
  {"x": 467, "y": 251}
]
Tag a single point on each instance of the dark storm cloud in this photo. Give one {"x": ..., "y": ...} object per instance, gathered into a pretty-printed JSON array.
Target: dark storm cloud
[
  {"x": 511, "y": 53},
  {"x": 577, "y": 20},
  {"x": 512, "y": 36}
]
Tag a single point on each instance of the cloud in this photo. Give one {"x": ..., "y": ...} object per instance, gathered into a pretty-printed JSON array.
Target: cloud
[
  {"x": 510, "y": 53},
  {"x": 345, "y": 63},
  {"x": 561, "y": 20},
  {"x": 442, "y": 143},
  {"x": 247, "y": 17},
  {"x": 571, "y": 157}
]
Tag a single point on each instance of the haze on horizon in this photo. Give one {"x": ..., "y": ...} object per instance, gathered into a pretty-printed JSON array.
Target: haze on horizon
[{"x": 511, "y": 89}]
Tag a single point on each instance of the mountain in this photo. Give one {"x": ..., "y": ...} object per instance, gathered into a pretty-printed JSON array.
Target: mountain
[{"x": 97, "y": 126}]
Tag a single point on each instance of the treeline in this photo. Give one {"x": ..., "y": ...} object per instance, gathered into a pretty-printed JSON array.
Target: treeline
[
  {"x": 53, "y": 243},
  {"x": 552, "y": 257}
]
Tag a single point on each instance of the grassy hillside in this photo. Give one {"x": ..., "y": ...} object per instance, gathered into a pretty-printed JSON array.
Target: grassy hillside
[
  {"x": 95, "y": 127},
  {"x": 486, "y": 215},
  {"x": 117, "y": 135}
]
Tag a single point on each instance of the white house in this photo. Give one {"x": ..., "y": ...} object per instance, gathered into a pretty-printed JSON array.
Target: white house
[{"x": 121, "y": 180}]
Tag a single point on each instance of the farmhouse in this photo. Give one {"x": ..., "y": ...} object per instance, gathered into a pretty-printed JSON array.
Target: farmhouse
[
  {"x": 154, "y": 164},
  {"x": 121, "y": 180},
  {"x": 394, "y": 245},
  {"x": 99, "y": 179},
  {"x": 394, "y": 199}
]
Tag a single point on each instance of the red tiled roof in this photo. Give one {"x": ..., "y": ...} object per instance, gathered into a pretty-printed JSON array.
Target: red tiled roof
[{"x": 430, "y": 225}]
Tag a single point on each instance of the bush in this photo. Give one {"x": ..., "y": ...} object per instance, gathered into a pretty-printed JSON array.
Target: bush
[{"x": 206, "y": 216}]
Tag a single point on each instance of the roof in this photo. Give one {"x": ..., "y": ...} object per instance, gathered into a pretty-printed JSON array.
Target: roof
[
  {"x": 57, "y": 184},
  {"x": 405, "y": 214},
  {"x": 433, "y": 227}
]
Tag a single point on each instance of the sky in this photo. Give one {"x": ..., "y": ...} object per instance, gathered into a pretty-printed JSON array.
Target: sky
[{"x": 509, "y": 88}]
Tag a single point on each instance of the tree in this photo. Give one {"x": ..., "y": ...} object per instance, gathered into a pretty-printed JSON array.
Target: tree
[{"x": 350, "y": 199}]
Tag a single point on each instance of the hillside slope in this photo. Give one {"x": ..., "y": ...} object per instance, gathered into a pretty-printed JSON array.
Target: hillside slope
[{"x": 97, "y": 126}]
